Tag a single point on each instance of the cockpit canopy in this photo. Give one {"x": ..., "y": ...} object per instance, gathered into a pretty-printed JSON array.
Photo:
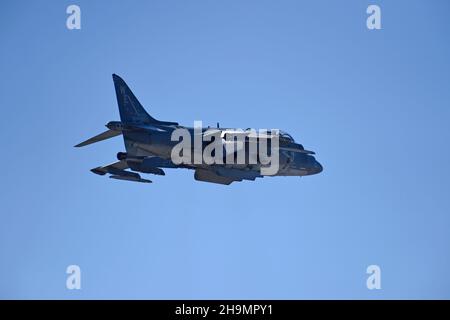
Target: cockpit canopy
[
  {"x": 286, "y": 136},
  {"x": 287, "y": 141},
  {"x": 283, "y": 135}
]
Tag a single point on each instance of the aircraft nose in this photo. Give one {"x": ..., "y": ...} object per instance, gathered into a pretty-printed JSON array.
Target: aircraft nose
[{"x": 317, "y": 168}]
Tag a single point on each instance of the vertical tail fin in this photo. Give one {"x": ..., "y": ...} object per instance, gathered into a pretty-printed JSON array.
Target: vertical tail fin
[{"x": 131, "y": 110}]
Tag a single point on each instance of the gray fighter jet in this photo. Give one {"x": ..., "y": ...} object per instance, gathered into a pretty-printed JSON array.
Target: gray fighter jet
[{"x": 149, "y": 144}]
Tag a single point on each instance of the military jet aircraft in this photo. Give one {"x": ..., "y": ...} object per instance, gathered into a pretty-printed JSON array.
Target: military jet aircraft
[{"x": 149, "y": 144}]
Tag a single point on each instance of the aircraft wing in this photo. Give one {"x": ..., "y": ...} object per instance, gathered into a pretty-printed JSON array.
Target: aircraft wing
[
  {"x": 102, "y": 136},
  {"x": 111, "y": 168},
  {"x": 118, "y": 171}
]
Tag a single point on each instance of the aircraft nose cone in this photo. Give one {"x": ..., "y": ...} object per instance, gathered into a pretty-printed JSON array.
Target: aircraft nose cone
[{"x": 317, "y": 168}]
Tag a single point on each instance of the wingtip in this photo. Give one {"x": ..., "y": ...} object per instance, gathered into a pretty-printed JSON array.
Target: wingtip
[{"x": 98, "y": 171}]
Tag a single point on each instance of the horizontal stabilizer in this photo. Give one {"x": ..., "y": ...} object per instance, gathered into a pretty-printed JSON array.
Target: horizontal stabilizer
[{"x": 100, "y": 137}]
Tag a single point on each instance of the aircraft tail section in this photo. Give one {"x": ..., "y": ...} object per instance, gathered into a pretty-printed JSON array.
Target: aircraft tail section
[{"x": 131, "y": 110}]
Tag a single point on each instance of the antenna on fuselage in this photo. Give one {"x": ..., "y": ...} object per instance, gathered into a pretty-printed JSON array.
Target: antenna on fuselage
[{"x": 217, "y": 125}]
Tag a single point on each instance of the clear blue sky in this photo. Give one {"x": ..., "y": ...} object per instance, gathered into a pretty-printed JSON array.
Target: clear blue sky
[{"x": 374, "y": 105}]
